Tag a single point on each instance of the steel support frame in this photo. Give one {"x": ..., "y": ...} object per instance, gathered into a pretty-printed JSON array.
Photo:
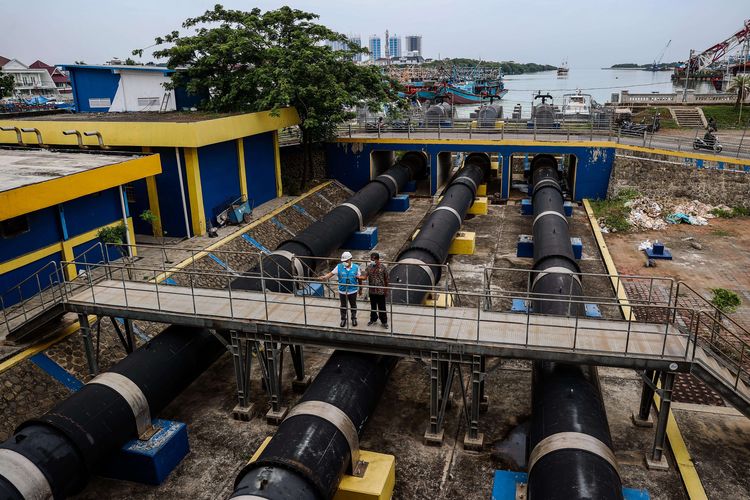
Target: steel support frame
[
  {"x": 88, "y": 344},
  {"x": 665, "y": 403}
]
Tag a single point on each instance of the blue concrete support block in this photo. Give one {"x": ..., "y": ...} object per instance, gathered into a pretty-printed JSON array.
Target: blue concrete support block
[
  {"x": 312, "y": 290},
  {"x": 658, "y": 251},
  {"x": 568, "y": 209},
  {"x": 399, "y": 203},
  {"x": 505, "y": 484},
  {"x": 526, "y": 207},
  {"x": 150, "y": 462},
  {"x": 525, "y": 246},
  {"x": 519, "y": 306},
  {"x": 592, "y": 311},
  {"x": 363, "y": 240},
  {"x": 410, "y": 187}
]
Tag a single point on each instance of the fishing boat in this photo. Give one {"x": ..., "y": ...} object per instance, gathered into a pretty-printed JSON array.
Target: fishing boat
[
  {"x": 472, "y": 92},
  {"x": 563, "y": 69}
]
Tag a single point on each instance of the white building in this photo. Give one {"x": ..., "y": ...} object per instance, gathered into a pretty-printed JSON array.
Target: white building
[{"x": 30, "y": 82}]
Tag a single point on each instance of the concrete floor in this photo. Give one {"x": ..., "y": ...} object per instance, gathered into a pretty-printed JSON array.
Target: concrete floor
[{"x": 220, "y": 446}]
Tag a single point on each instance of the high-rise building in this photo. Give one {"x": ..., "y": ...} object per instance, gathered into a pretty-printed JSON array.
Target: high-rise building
[
  {"x": 413, "y": 45},
  {"x": 375, "y": 47},
  {"x": 394, "y": 46},
  {"x": 356, "y": 40}
]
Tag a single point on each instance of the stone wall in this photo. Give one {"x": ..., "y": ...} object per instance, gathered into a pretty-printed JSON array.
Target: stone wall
[
  {"x": 291, "y": 167},
  {"x": 664, "y": 176}
]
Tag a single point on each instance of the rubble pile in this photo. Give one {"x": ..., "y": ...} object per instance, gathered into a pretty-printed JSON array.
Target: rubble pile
[{"x": 647, "y": 214}]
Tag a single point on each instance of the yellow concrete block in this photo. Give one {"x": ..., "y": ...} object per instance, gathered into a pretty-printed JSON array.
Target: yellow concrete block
[
  {"x": 480, "y": 206},
  {"x": 376, "y": 484},
  {"x": 482, "y": 190},
  {"x": 441, "y": 300},
  {"x": 499, "y": 124},
  {"x": 495, "y": 165},
  {"x": 463, "y": 244}
]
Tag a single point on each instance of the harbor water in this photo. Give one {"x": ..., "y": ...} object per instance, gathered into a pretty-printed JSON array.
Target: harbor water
[{"x": 600, "y": 83}]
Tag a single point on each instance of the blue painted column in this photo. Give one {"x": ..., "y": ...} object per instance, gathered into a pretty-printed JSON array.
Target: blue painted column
[
  {"x": 63, "y": 225},
  {"x": 433, "y": 173},
  {"x": 505, "y": 180}
]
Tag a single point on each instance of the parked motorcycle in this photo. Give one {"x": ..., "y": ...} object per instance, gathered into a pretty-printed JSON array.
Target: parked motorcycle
[{"x": 711, "y": 143}]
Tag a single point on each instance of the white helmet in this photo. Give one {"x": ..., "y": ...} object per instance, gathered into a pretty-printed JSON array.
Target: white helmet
[{"x": 345, "y": 256}]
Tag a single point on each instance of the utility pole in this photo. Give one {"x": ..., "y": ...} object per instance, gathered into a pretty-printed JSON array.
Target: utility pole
[{"x": 687, "y": 76}]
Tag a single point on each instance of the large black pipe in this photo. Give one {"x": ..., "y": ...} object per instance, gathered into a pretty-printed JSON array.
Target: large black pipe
[
  {"x": 307, "y": 456},
  {"x": 571, "y": 455},
  {"x": 419, "y": 266},
  {"x": 59, "y": 450},
  {"x": 322, "y": 237}
]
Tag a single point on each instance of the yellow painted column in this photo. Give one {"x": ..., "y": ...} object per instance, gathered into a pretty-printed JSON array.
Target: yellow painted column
[
  {"x": 67, "y": 251},
  {"x": 277, "y": 160},
  {"x": 241, "y": 167},
  {"x": 195, "y": 192},
  {"x": 153, "y": 199}
]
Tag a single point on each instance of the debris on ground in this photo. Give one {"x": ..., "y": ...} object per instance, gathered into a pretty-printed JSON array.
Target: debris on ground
[
  {"x": 649, "y": 214},
  {"x": 645, "y": 245}
]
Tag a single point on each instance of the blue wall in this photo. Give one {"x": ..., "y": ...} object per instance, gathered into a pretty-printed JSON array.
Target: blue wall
[
  {"x": 44, "y": 230},
  {"x": 168, "y": 187},
  {"x": 260, "y": 166},
  {"x": 136, "y": 209},
  {"x": 92, "y": 211},
  {"x": 90, "y": 83},
  {"x": 351, "y": 165},
  {"x": 220, "y": 177},
  {"x": 12, "y": 278}
]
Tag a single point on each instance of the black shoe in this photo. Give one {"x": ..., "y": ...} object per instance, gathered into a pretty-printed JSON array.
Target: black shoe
[
  {"x": 354, "y": 321},
  {"x": 370, "y": 323},
  {"x": 343, "y": 323},
  {"x": 385, "y": 325}
]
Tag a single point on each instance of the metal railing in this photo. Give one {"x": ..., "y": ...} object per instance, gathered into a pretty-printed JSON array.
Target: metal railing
[{"x": 32, "y": 296}]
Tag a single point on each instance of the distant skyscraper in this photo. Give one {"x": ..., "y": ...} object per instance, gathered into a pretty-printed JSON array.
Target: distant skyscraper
[
  {"x": 375, "y": 47},
  {"x": 413, "y": 44},
  {"x": 394, "y": 46},
  {"x": 357, "y": 40}
]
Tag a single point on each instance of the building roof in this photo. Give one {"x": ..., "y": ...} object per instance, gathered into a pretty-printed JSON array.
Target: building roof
[
  {"x": 118, "y": 67},
  {"x": 32, "y": 179},
  {"x": 3, "y": 61},
  {"x": 179, "y": 129},
  {"x": 42, "y": 65}
]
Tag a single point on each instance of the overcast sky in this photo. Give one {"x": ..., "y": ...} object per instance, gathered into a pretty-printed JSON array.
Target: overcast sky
[{"x": 589, "y": 33}]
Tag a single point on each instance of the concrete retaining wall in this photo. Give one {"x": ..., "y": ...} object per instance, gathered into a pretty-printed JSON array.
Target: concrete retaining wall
[{"x": 669, "y": 176}]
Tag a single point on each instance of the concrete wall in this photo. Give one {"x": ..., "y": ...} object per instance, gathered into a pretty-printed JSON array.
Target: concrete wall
[
  {"x": 143, "y": 85},
  {"x": 663, "y": 176}
]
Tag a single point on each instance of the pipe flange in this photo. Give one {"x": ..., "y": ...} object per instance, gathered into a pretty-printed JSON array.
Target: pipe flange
[
  {"x": 549, "y": 212},
  {"x": 453, "y": 211},
  {"x": 335, "y": 416},
  {"x": 421, "y": 264},
  {"x": 395, "y": 184},
  {"x": 24, "y": 475},
  {"x": 555, "y": 270},
  {"x": 572, "y": 441},
  {"x": 131, "y": 393},
  {"x": 356, "y": 211},
  {"x": 297, "y": 270},
  {"x": 550, "y": 181}
]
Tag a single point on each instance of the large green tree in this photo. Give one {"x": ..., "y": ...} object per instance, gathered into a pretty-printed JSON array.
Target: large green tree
[
  {"x": 255, "y": 61},
  {"x": 7, "y": 84}
]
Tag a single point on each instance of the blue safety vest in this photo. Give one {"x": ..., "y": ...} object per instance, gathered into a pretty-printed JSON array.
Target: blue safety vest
[{"x": 347, "y": 278}]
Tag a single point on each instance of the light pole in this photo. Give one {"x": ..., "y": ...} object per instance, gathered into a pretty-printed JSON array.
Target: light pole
[{"x": 687, "y": 76}]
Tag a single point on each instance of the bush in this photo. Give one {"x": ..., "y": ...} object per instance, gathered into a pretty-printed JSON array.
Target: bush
[
  {"x": 728, "y": 214},
  {"x": 112, "y": 234},
  {"x": 725, "y": 300},
  {"x": 612, "y": 212}
]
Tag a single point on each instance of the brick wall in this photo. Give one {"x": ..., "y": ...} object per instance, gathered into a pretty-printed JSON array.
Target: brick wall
[{"x": 667, "y": 176}]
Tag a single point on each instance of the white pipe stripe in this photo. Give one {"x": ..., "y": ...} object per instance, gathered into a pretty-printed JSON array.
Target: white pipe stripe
[
  {"x": 420, "y": 264},
  {"x": 291, "y": 258},
  {"x": 395, "y": 184},
  {"x": 335, "y": 416},
  {"x": 131, "y": 393},
  {"x": 453, "y": 211},
  {"x": 555, "y": 270},
  {"x": 24, "y": 475},
  {"x": 470, "y": 180},
  {"x": 572, "y": 441},
  {"x": 549, "y": 212},
  {"x": 355, "y": 209}
]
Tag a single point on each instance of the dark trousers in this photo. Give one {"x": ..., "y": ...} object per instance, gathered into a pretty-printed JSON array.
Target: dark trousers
[
  {"x": 377, "y": 308},
  {"x": 352, "y": 298}
]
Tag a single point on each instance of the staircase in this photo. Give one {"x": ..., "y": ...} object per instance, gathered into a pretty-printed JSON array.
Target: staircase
[{"x": 688, "y": 117}]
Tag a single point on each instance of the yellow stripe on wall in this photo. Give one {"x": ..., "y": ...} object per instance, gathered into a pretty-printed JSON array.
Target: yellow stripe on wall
[
  {"x": 195, "y": 191},
  {"x": 241, "y": 167},
  {"x": 277, "y": 163}
]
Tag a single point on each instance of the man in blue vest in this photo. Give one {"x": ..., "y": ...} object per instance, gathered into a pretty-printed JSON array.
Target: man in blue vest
[{"x": 349, "y": 278}]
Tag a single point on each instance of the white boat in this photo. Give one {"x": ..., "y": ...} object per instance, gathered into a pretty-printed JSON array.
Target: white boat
[
  {"x": 577, "y": 105},
  {"x": 563, "y": 69}
]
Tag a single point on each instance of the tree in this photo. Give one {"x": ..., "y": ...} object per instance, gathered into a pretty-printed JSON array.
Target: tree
[
  {"x": 255, "y": 61},
  {"x": 7, "y": 84},
  {"x": 130, "y": 62},
  {"x": 741, "y": 86},
  {"x": 116, "y": 235}
]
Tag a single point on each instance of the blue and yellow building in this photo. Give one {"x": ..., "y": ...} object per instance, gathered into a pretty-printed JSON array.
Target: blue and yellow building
[{"x": 52, "y": 204}]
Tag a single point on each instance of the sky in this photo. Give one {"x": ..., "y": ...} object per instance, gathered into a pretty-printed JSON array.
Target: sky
[{"x": 588, "y": 33}]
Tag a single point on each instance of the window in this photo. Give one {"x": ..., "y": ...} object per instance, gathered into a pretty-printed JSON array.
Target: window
[
  {"x": 129, "y": 193},
  {"x": 148, "y": 101},
  {"x": 13, "y": 227},
  {"x": 100, "y": 102}
]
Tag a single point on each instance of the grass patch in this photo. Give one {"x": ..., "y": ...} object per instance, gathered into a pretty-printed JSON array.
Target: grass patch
[
  {"x": 725, "y": 300},
  {"x": 612, "y": 212},
  {"x": 722, "y": 232},
  {"x": 731, "y": 213},
  {"x": 665, "y": 120},
  {"x": 727, "y": 116}
]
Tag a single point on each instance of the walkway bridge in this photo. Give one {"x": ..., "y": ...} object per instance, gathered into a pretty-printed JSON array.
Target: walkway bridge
[{"x": 670, "y": 335}]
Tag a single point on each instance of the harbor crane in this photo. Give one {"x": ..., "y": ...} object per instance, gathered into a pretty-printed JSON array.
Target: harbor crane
[
  {"x": 657, "y": 62},
  {"x": 709, "y": 56}
]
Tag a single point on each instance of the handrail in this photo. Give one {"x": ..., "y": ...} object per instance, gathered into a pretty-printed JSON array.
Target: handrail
[{"x": 19, "y": 308}]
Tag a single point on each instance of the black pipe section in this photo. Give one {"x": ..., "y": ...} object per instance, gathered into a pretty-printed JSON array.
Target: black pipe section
[
  {"x": 307, "y": 456},
  {"x": 71, "y": 441},
  {"x": 419, "y": 265},
  {"x": 329, "y": 233},
  {"x": 565, "y": 398}
]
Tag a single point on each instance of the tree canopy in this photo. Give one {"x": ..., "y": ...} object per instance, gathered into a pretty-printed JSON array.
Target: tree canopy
[
  {"x": 7, "y": 84},
  {"x": 254, "y": 61}
]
